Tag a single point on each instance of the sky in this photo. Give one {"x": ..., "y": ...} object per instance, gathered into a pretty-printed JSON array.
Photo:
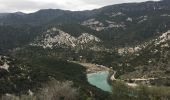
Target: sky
[{"x": 28, "y": 6}]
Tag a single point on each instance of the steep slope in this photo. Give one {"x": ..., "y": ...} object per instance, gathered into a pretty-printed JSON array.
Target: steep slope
[
  {"x": 12, "y": 37},
  {"x": 151, "y": 61},
  {"x": 131, "y": 38},
  {"x": 127, "y": 24},
  {"x": 22, "y": 77},
  {"x": 4, "y": 62},
  {"x": 54, "y": 38},
  {"x": 43, "y": 16},
  {"x": 118, "y": 25}
]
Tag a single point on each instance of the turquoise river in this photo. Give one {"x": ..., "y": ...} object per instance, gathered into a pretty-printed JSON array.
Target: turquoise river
[{"x": 99, "y": 80}]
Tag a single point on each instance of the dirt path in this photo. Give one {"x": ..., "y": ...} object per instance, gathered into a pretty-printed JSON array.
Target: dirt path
[{"x": 93, "y": 68}]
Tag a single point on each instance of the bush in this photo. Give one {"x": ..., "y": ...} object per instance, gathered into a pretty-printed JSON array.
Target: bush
[
  {"x": 121, "y": 91},
  {"x": 56, "y": 90},
  {"x": 23, "y": 97}
]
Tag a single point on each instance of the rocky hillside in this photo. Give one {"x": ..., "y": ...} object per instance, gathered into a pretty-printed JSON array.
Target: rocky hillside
[
  {"x": 151, "y": 60},
  {"x": 54, "y": 38},
  {"x": 132, "y": 38},
  {"x": 117, "y": 25},
  {"x": 111, "y": 32},
  {"x": 4, "y": 63}
]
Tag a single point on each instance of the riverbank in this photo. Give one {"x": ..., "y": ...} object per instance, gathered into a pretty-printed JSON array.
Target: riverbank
[
  {"x": 98, "y": 75},
  {"x": 134, "y": 82},
  {"x": 93, "y": 68}
]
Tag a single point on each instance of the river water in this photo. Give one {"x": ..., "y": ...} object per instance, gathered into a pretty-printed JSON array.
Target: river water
[{"x": 99, "y": 80}]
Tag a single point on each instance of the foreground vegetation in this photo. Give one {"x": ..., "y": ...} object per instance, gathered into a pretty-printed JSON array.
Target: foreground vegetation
[
  {"x": 54, "y": 90},
  {"x": 121, "y": 91},
  {"x": 33, "y": 73}
]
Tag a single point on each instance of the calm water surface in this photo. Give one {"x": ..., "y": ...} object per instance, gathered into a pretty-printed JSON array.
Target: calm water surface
[{"x": 99, "y": 80}]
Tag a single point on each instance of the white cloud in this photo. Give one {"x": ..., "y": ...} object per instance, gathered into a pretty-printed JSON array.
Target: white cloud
[{"x": 34, "y": 5}]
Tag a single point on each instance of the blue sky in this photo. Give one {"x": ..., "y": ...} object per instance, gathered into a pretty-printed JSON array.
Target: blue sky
[{"x": 28, "y": 6}]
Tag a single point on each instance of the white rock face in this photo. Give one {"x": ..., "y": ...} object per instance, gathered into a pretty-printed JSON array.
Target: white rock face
[
  {"x": 5, "y": 66},
  {"x": 129, "y": 19},
  {"x": 126, "y": 50},
  {"x": 5, "y": 63},
  {"x": 163, "y": 41},
  {"x": 94, "y": 24},
  {"x": 165, "y": 15},
  {"x": 115, "y": 25},
  {"x": 142, "y": 19},
  {"x": 163, "y": 38},
  {"x": 86, "y": 38},
  {"x": 117, "y": 14},
  {"x": 165, "y": 45},
  {"x": 58, "y": 38},
  {"x": 99, "y": 26}
]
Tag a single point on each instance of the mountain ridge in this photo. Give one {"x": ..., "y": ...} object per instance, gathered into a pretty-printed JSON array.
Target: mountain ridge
[{"x": 133, "y": 39}]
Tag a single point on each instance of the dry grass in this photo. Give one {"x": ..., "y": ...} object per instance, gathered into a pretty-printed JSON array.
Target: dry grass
[
  {"x": 59, "y": 91},
  {"x": 54, "y": 90}
]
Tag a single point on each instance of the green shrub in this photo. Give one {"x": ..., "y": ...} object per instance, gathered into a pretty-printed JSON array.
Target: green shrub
[
  {"x": 121, "y": 91},
  {"x": 54, "y": 90}
]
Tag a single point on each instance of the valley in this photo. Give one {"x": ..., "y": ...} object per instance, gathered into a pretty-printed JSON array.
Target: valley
[{"x": 117, "y": 52}]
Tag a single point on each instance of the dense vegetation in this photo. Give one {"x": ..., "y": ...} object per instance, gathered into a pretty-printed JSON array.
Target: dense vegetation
[
  {"x": 32, "y": 74},
  {"x": 32, "y": 66},
  {"x": 122, "y": 91}
]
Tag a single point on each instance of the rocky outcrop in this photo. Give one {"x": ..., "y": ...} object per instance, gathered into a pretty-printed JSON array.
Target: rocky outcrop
[{"x": 57, "y": 38}]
